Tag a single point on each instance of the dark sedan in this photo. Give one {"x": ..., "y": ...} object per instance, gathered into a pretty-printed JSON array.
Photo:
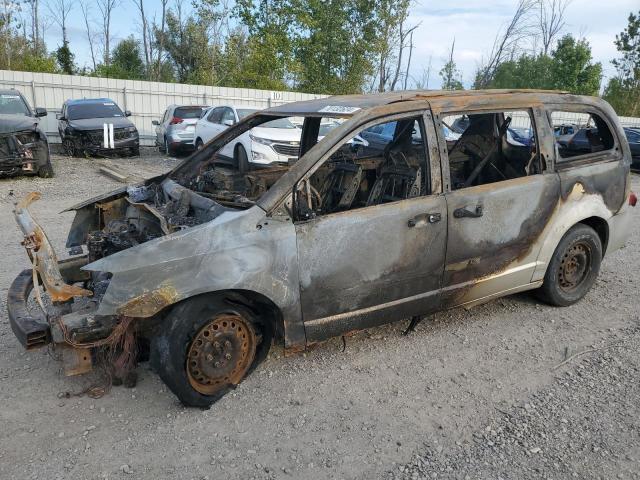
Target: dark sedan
[
  {"x": 633, "y": 137},
  {"x": 97, "y": 126}
]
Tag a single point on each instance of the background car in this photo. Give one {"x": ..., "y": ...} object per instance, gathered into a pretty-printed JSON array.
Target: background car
[
  {"x": 633, "y": 137},
  {"x": 275, "y": 142},
  {"x": 176, "y": 129},
  {"x": 96, "y": 126},
  {"x": 522, "y": 135},
  {"x": 23, "y": 144}
]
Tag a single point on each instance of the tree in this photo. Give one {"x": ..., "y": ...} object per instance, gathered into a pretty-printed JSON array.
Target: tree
[
  {"x": 572, "y": 67},
  {"x": 450, "y": 74},
  {"x": 65, "y": 59},
  {"x": 623, "y": 90},
  {"x": 84, "y": 7},
  {"x": 507, "y": 42},
  {"x": 187, "y": 47},
  {"x": 392, "y": 34},
  {"x": 106, "y": 8},
  {"x": 335, "y": 45},
  {"x": 16, "y": 51},
  {"x": 569, "y": 67},
  {"x": 60, "y": 10},
  {"x": 126, "y": 61},
  {"x": 551, "y": 21}
]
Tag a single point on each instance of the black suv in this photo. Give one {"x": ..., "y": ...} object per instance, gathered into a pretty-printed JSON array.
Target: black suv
[
  {"x": 23, "y": 144},
  {"x": 96, "y": 126}
]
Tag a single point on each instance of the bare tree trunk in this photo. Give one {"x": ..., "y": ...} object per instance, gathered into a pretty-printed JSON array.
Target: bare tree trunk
[
  {"x": 106, "y": 9},
  {"x": 60, "y": 10},
  {"x": 145, "y": 39},
  {"x": 161, "y": 42},
  {"x": 507, "y": 42},
  {"x": 85, "y": 13},
  {"x": 406, "y": 73},
  {"x": 551, "y": 21}
]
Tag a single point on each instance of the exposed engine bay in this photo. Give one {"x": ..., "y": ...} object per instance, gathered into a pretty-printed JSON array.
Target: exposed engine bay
[{"x": 145, "y": 212}]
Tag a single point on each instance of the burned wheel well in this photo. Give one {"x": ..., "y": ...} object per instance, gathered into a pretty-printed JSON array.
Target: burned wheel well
[
  {"x": 261, "y": 306},
  {"x": 601, "y": 227}
]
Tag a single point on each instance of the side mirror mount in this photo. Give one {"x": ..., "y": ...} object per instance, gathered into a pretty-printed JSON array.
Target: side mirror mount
[
  {"x": 41, "y": 112},
  {"x": 155, "y": 122},
  {"x": 59, "y": 116},
  {"x": 127, "y": 113}
]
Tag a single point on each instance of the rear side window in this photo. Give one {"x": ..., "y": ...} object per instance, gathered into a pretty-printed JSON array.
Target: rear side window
[
  {"x": 188, "y": 112},
  {"x": 579, "y": 134}
]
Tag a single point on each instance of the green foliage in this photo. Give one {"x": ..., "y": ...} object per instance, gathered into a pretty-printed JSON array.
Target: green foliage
[
  {"x": 17, "y": 53},
  {"x": 451, "y": 77},
  {"x": 270, "y": 48},
  {"x": 569, "y": 68},
  {"x": 623, "y": 91},
  {"x": 65, "y": 59},
  {"x": 334, "y": 52}
]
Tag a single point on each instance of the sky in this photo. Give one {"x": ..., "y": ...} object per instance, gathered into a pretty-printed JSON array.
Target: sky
[{"x": 473, "y": 24}]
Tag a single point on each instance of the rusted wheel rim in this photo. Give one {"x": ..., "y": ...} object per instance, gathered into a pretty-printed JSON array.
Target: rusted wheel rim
[
  {"x": 221, "y": 353},
  {"x": 574, "y": 266}
]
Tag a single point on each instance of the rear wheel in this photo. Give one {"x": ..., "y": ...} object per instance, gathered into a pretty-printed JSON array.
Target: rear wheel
[
  {"x": 166, "y": 149},
  {"x": 574, "y": 267},
  {"x": 206, "y": 347},
  {"x": 242, "y": 161},
  {"x": 199, "y": 144}
]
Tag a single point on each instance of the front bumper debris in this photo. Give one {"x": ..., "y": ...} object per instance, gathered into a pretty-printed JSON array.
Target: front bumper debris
[
  {"x": 32, "y": 331},
  {"x": 42, "y": 255}
]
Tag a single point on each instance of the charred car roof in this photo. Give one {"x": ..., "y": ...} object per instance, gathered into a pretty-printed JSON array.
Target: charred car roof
[{"x": 349, "y": 105}]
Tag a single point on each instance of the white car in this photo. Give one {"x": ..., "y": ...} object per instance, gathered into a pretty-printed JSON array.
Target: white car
[{"x": 275, "y": 142}]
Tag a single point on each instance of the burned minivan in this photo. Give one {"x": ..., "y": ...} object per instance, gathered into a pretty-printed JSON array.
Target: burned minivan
[{"x": 204, "y": 267}]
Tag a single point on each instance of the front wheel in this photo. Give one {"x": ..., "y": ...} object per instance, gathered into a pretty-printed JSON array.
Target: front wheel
[
  {"x": 574, "y": 267},
  {"x": 69, "y": 147},
  {"x": 206, "y": 347}
]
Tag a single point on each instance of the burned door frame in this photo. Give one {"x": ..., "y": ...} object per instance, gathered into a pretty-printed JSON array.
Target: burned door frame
[
  {"x": 400, "y": 281},
  {"x": 493, "y": 250}
]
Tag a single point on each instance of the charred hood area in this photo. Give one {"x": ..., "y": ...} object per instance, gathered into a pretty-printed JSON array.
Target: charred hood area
[{"x": 164, "y": 205}]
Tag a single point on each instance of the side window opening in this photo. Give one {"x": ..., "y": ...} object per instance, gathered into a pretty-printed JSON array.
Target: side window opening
[
  {"x": 579, "y": 134},
  {"x": 490, "y": 147},
  {"x": 383, "y": 163}
]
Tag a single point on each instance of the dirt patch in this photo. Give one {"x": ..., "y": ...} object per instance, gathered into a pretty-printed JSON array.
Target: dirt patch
[{"x": 361, "y": 413}]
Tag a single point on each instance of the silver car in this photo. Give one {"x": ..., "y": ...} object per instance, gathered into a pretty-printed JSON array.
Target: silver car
[{"x": 175, "y": 131}]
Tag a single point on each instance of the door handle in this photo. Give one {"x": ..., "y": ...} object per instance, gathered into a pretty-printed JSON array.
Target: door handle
[
  {"x": 424, "y": 219},
  {"x": 464, "y": 212}
]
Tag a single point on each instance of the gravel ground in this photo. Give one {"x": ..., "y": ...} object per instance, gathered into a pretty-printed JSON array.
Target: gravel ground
[{"x": 470, "y": 394}]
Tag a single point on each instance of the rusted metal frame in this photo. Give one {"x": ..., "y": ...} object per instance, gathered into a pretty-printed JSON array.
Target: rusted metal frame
[
  {"x": 43, "y": 255},
  {"x": 433, "y": 154},
  {"x": 613, "y": 154}
]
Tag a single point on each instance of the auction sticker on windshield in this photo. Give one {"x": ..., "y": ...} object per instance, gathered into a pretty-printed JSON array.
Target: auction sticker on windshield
[{"x": 338, "y": 109}]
